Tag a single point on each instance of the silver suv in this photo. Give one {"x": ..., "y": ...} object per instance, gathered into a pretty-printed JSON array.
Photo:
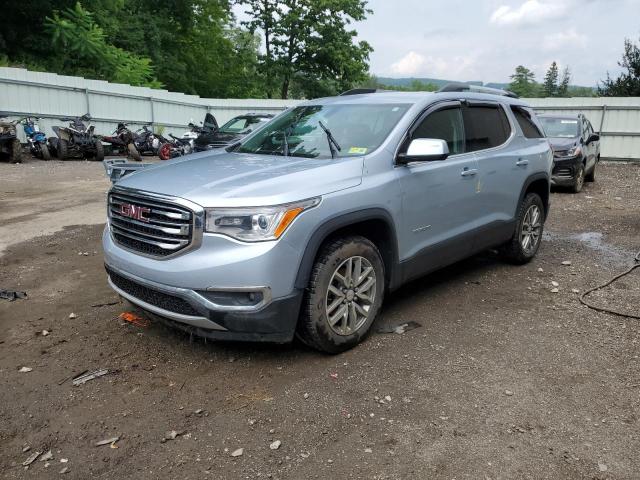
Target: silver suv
[{"x": 304, "y": 225}]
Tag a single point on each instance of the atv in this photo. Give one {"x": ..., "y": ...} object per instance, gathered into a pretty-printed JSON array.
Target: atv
[
  {"x": 9, "y": 144},
  {"x": 123, "y": 140},
  {"x": 77, "y": 140}
]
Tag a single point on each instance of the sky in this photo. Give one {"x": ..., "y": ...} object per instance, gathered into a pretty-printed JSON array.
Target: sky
[{"x": 485, "y": 40}]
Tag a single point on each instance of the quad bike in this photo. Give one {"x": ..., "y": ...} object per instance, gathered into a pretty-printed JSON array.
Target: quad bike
[
  {"x": 77, "y": 140},
  {"x": 124, "y": 139},
  {"x": 147, "y": 142},
  {"x": 36, "y": 139},
  {"x": 9, "y": 144}
]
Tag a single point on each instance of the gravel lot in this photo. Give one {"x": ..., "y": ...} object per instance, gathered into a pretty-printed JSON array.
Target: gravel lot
[{"x": 503, "y": 379}]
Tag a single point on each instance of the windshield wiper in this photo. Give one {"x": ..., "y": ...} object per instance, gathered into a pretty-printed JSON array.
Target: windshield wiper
[
  {"x": 285, "y": 141},
  {"x": 333, "y": 144}
]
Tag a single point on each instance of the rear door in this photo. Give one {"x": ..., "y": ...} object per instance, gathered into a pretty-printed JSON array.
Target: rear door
[{"x": 438, "y": 197}]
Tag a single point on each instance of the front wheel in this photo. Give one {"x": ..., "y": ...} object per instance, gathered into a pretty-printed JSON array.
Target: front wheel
[
  {"x": 133, "y": 151},
  {"x": 16, "y": 151},
  {"x": 344, "y": 296},
  {"x": 164, "y": 152},
  {"x": 62, "y": 149},
  {"x": 578, "y": 181},
  {"x": 526, "y": 239},
  {"x": 99, "y": 150}
]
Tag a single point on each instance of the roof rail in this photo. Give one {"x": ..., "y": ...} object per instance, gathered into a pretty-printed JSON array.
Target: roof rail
[
  {"x": 465, "y": 87},
  {"x": 359, "y": 91}
]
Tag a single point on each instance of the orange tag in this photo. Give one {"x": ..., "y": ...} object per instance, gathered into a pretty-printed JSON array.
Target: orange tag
[{"x": 134, "y": 319}]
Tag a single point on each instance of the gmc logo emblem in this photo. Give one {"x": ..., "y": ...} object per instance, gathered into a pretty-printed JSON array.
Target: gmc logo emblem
[{"x": 134, "y": 211}]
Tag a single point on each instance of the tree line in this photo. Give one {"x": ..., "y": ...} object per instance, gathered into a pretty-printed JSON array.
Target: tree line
[{"x": 193, "y": 46}]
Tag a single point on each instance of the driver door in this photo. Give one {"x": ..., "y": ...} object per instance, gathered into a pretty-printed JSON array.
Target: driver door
[{"x": 439, "y": 198}]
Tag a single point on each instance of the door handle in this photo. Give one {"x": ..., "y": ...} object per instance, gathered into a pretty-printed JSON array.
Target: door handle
[
  {"x": 522, "y": 163},
  {"x": 469, "y": 173}
]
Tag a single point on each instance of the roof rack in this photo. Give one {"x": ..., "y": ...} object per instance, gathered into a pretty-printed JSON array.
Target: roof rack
[
  {"x": 360, "y": 91},
  {"x": 465, "y": 87}
]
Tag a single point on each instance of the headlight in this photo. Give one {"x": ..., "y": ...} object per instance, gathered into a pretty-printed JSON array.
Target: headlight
[
  {"x": 574, "y": 152},
  {"x": 255, "y": 224}
]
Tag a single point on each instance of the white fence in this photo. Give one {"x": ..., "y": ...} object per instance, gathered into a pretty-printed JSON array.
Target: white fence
[
  {"x": 50, "y": 96},
  {"x": 617, "y": 120}
]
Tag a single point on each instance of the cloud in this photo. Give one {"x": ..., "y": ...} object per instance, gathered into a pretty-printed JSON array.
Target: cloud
[
  {"x": 408, "y": 65},
  {"x": 530, "y": 12},
  {"x": 563, "y": 40},
  {"x": 416, "y": 64}
]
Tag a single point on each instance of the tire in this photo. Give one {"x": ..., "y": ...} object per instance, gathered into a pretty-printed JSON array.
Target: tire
[
  {"x": 133, "y": 151},
  {"x": 591, "y": 176},
  {"x": 62, "y": 149},
  {"x": 578, "y": 181},
  {"x": 99, "y": 156},
  {"x": 321, "y": 302},
  {"x": 164, "y": 152},
  {"x": 44, "y": 152},
  {"x": 16, "y": 151},
  {"x": 516, "y": 250}
]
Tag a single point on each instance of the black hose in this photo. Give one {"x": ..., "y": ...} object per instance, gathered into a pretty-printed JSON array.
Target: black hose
[{"x": 599, "y": 287}]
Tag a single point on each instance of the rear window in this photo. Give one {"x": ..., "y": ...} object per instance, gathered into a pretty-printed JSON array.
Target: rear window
[
  {"x": 486, "y": 126},
  {"x": 526, "y": 122}
]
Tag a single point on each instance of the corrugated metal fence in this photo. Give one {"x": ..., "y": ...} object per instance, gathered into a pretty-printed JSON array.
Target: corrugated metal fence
[
  {"x": 50, "y": 96},
  {"x": 617, "y": 120}
]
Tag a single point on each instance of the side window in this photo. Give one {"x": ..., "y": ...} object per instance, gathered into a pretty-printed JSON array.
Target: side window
[
  {"x": 526, "y": 122},
  {"x": 485, "y": 127},
  {"x": 445, "y": 124}
]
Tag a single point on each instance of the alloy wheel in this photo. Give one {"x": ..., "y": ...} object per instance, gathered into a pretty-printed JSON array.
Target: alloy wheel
[
  {"x": 351, "y": 295},
  {"x": 531, "y": 229}
]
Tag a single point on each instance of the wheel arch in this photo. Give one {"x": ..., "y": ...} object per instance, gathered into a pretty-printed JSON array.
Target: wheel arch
[
  {"x": 376, "y": 224},
  {"x": 537, "y": 183}
]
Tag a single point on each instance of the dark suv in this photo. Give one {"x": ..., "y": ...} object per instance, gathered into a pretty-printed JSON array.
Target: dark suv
[{"x": 576, "y": 149}]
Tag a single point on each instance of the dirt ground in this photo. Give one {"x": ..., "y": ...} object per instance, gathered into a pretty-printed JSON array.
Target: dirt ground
[{"x": 503, "y": 379}]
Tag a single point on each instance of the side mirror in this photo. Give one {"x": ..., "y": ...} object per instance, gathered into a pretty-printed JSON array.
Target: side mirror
[
  {"x": 424, "y": 150},
  {"x": 594, "y": 137}
]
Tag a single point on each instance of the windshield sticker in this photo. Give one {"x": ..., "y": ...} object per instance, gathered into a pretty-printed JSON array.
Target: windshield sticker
[
  {"x": 358, "y": 150},
  {"x": 569, "y": 122}
]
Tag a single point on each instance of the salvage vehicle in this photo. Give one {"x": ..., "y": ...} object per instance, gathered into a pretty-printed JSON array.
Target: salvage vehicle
[
  {"x": 10, "y": 147},
  {"x": 304, "y": 225},
  {"x": 123, "y": 140},
  {"x": 576, "y": 149},
  {"x": 77, "y": 140},
  {"x": 147, "y": 142},
  {"x": 213, "y": 137},
  {"x": 36, "y": 140}
]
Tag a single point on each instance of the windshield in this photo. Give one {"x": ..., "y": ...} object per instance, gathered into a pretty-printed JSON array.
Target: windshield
[
  {"x": 307, "y": 131},
  {"x": 242, "y": 124},
  {"x": 560, "y": 127}
]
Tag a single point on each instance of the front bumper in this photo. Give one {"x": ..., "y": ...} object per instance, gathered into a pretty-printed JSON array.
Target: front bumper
[
  {"x": 564, "y": 171},
  {"x": 186, "y": 309}
]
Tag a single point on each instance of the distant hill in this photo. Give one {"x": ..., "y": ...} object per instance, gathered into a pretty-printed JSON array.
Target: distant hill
[{"x": 406, "y": 82}]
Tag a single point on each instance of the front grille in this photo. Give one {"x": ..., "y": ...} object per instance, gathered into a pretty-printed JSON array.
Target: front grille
[
  {"x": 164, "y": 229},
  {"x": 151, "y": 296},
  {"x": 564, "y": 172},
  {"x": 560, "y": 153}
]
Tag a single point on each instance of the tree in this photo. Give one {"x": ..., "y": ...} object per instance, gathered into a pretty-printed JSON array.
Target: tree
[
  {"x": 628, "y": 83},
  {"x": 563, "y": 88},
  {"x": 550, "y": 83},
  {"x": 307, "y": 44},
  {"x": 523, "y": 82}
]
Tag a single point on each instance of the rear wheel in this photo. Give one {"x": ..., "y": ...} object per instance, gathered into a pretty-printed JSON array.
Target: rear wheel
[
  {"x": 344, "y": 296},
  {"x": 99, "y": 150},
  {"x": 44, "y": 152},
  {"x": 578, "y": 181},
  {"x": 16, "y": 151},
  {"x": 62, "y": 149},
  {"x": 164, "y": 152},
  {"x": 527, "y": 237}
]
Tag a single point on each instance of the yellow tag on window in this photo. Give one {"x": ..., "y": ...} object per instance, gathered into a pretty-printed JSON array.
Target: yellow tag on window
[{"x": 358, "y": 150}]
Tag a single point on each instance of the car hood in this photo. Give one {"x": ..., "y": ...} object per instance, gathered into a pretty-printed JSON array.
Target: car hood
[
  {"x": 235, "y": 179},
  {"x": 558, "y": 143}
]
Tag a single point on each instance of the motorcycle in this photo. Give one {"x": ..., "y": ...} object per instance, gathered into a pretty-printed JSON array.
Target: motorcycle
[
  {"x": 77, "y": 139},
  {"x": 36, "y": 139},
  {"x": 9, "y": 143},
  {"x": 176, "y": 147},
  {"x": 148, "y": 142},
  {"x": 123, "y": 138}
]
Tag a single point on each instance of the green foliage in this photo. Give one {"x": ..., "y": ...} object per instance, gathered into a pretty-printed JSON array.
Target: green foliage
[
  {"x": 523, "y": 83},
  {"x": 309, "y": 48},
  {"x": 563, "y": 87},
  {"x": 628, "y": 83}
]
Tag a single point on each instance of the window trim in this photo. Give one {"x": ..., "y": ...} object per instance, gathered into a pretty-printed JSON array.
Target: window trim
[{"x": 531, "y": 113}]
